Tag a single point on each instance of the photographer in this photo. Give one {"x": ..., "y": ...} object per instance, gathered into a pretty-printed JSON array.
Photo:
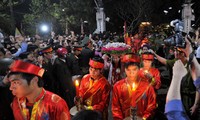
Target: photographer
[
  {"x": 189, "y": 95},
  {"x": 174, "y": 108}
]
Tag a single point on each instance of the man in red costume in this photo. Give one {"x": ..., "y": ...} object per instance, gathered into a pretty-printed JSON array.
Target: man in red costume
[
  {"x": 149, "y": 73},
  {"x": 133, "y": 93},
  {"x": 32, "y": 101},
  {"x": 94, "y": 88}
]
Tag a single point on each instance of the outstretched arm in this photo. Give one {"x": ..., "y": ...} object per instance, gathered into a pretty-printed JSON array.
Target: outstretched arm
[{"x": 160, "y": 59}]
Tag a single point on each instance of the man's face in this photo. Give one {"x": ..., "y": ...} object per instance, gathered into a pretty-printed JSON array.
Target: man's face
[
  {"x": 31, "y": 57},
  {"x": 145, "y": 49},
  {"x": 178, "y": 54},
  {"x": 77, "y": 52},
  {"x": 48, "y": 55},
  {"x": 116, "y": 58},
  {"x": 147, "y": 63},
  {"x": 19, "y": 86},
  {"x": 94, "y": 72},
  {"x": 132, "y": 71}
]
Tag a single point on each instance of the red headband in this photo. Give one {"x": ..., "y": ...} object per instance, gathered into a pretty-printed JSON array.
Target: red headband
[
  {"x": 96, "y": 64},
  {"x": 25, "y": 67},
  {"x": 131, "y": 58},
  {"x": 147, "y": 56}
]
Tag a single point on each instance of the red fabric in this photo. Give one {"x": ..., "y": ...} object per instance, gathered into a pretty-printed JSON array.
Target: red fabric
[
  {"x": 136, "y": 45},
  {"x": 51, "y": 107},
  {"x": 100, "y": 98},
  {"x": 128, "y": 41},
  {"x": 130, "y": 58},
  {"x": 116, "y": 74},
  {"x": 122, "y": 101},
  {"x": 25, "y": 67},
  {"x": 96, "y": 64},
  {"x": 156, "y": 75},
  {"x": 147, "y": 56}
]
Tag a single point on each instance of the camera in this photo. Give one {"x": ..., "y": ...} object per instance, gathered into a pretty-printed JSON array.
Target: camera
[{"x": 178, "y": 39}]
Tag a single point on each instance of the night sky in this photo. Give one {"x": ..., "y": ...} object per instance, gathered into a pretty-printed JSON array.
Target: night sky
[{"x": 160, "y": 16}]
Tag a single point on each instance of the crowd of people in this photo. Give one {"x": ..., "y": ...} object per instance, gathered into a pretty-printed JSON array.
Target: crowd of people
[{"x": 39, "y": 78}]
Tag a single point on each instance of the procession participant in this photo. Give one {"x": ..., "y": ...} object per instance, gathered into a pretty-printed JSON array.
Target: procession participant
[
  {"x": 149, "y": 73},
  {"x": 133, "y": 93},
  {"x": 95, "y": 89},
  {"x": 31, "y": 100}
]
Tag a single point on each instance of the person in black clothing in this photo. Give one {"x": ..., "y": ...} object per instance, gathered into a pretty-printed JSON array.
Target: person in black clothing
[
  {"x": 6, "y": 96},
  {"x": 63, "y": 77},
  {"x": 86, "y": 54},
  {"x": 74, "y": 60},
  {"x": 47, "y": 64}
]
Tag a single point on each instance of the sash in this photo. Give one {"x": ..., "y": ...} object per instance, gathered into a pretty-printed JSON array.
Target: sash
[{"x": 91, "y": 91}]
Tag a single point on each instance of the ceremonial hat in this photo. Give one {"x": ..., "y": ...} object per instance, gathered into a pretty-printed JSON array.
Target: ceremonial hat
[
  {"x": 147, "y": 56},
  {"x": 96, "y": 64},
  {"x": 26, "y": 67},
  {"x": 130, "y": 58}
]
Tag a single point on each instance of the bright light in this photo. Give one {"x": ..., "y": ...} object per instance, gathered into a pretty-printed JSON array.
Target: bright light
[
  {"x": 133, "y": 87},
  {"x": 44, "y": 28},
  {"x": 85, "y": 21},
  {"x": 107, "y": 19},
  {"x": 179, "y": 11},
  {"x": 165, "y": 11},
  {"x": 145, "y": 23},
  {"x": 170, "y": 8},
  {"x": 63, "y": 10},
  {"x": 167, "y": 26},
  {"x": 76, "y": 83}
]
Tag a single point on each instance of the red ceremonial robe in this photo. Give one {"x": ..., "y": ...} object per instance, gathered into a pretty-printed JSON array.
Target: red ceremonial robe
[
  {"x": 48, "y": 106},
  {"x": 123, "y": 98},
  {"x": 95, "y": 94},
  {"x": 156, "y": 77}
]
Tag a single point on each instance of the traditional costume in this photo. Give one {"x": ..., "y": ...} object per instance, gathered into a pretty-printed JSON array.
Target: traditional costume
[
  {"x": 95, "y": 93},
  {"x": 152, "y": 71},
  {"x": 126, "y": 96},
  {"x": 46, "y": 106}
]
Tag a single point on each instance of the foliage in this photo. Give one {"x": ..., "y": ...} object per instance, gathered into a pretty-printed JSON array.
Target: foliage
[
  {"x": 41, "y": 12},
  {"x": 133, "y": 11},
  {"x": 5, "y": 17},
  {"x": 75, "y": 10},
  {"x": 59, "y": 14}
]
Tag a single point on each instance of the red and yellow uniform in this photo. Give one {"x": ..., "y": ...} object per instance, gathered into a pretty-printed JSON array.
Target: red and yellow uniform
[
  {"x": 155, "y": 80},
  {"x": 47, "y": 106},
  {"x": 143, "y": 97},
  {"x": 149, "y": 73},
  {"x": 95, "y": 93}
]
